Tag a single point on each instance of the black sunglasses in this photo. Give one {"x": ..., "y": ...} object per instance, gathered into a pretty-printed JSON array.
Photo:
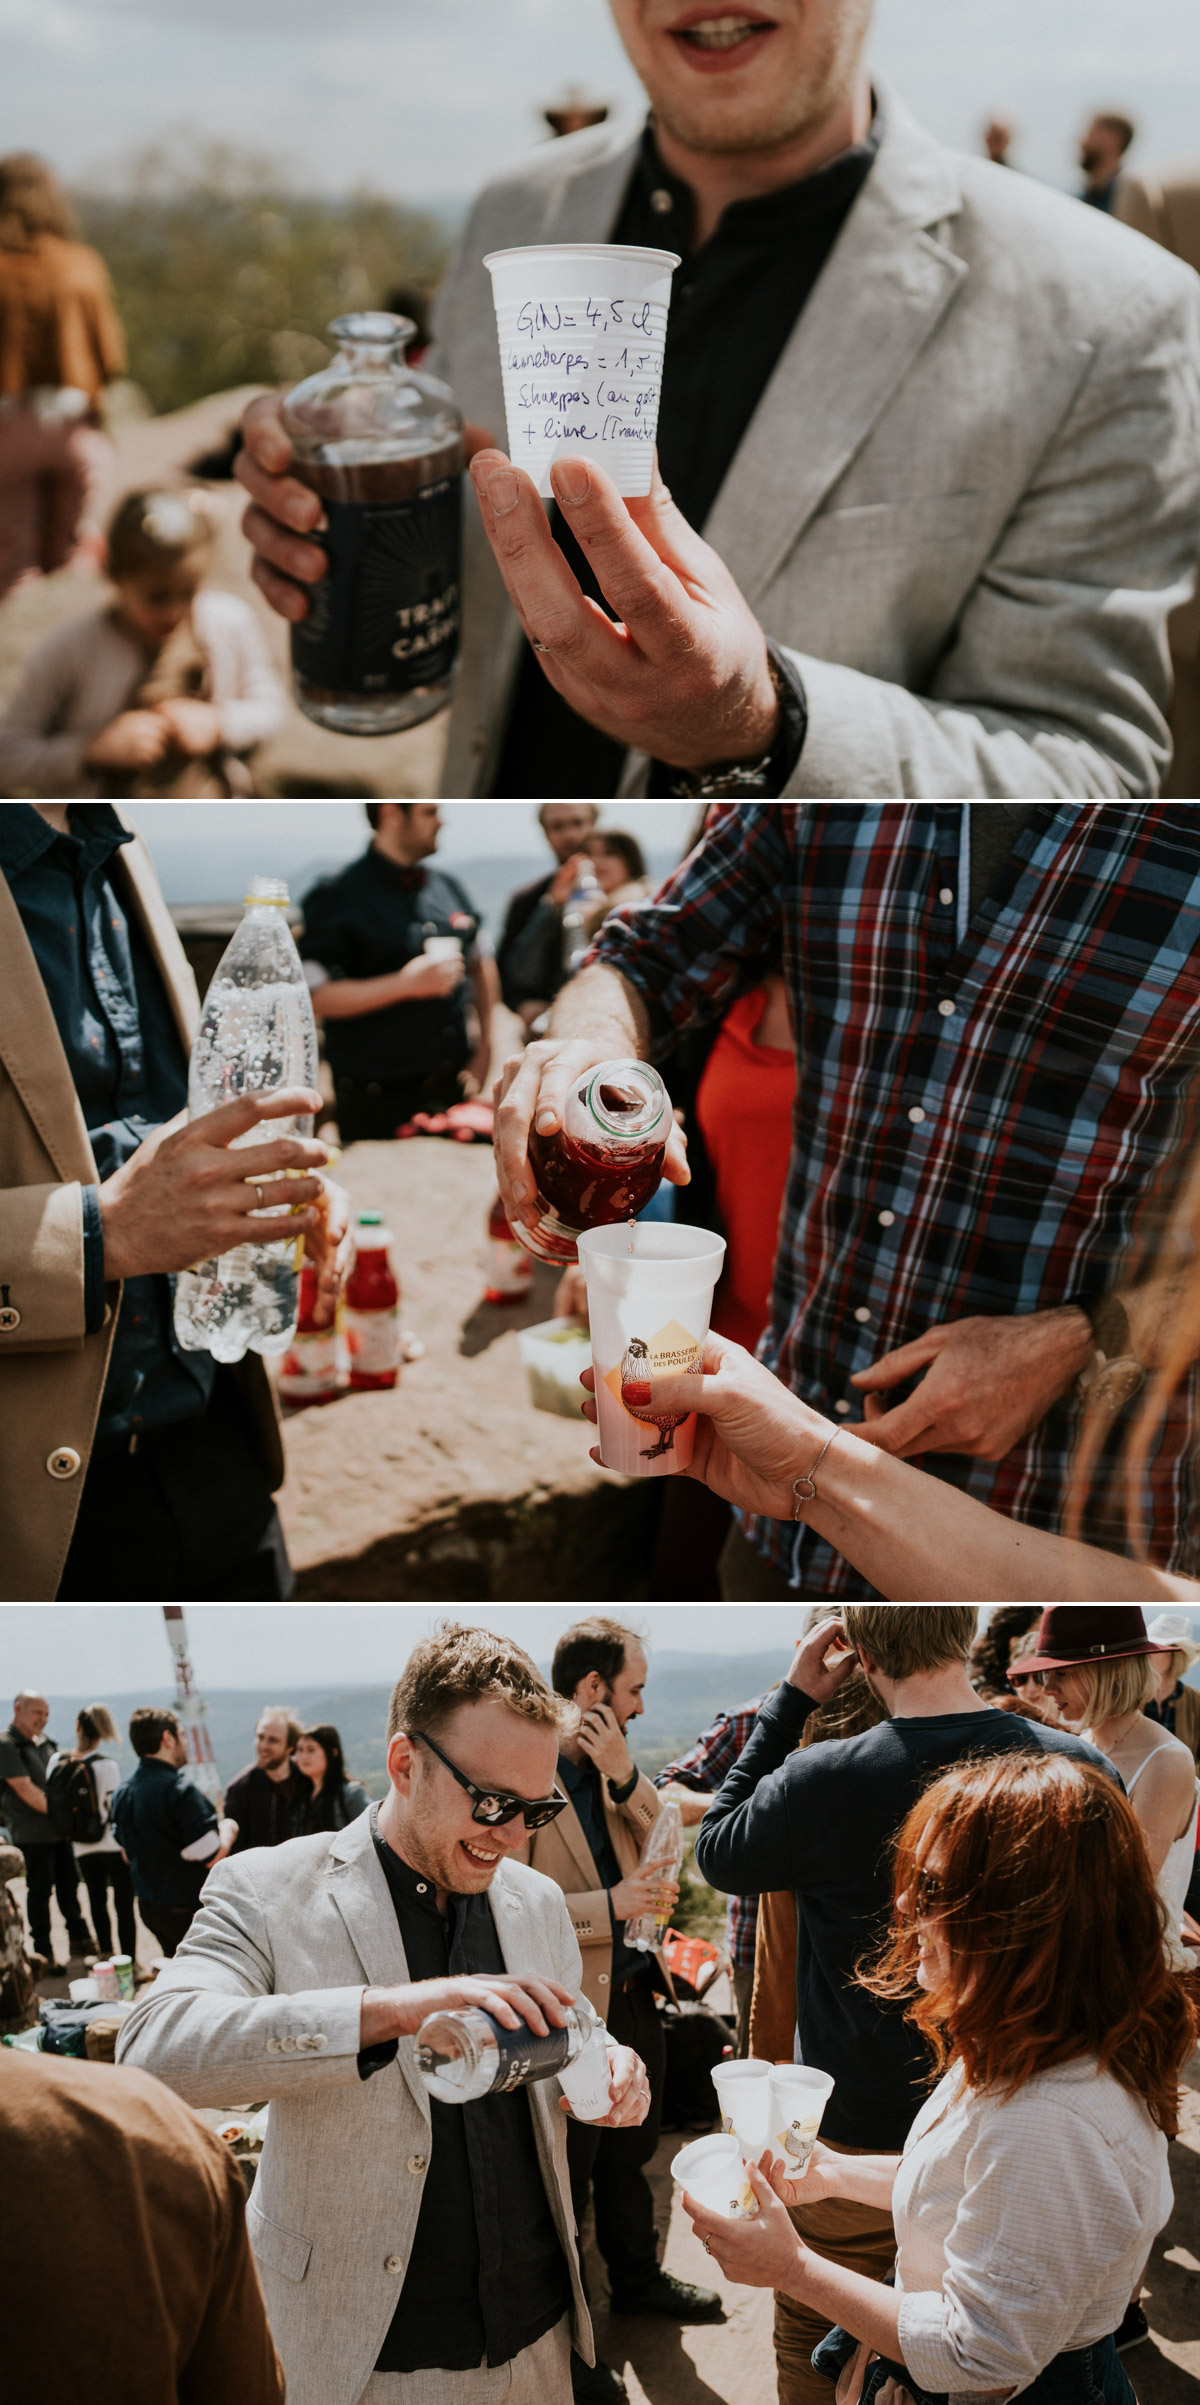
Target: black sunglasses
[
  {"x": 927, "y": 1889},
  {"x": 494, "y": 1810}
]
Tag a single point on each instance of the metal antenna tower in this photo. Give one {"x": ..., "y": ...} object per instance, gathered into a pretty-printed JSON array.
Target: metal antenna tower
[{"x": 191, "y": 1708}]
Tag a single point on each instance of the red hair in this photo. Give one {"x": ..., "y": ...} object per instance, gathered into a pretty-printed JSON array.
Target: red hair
[{"x": 1054, "y": 1931}]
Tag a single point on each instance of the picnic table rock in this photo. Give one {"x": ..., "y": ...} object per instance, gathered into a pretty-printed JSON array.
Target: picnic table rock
[{"x": 450, "y": 1487}]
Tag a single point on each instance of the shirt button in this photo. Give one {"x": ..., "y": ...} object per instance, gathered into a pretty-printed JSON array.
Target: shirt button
[
  {"x": 842, "y": 1408},
  {"x": 862, "y": 1315},
  {"x": 946, "y": 1010},
  {"x": 422, "y": 1887},
  {"x": 603, "y": 1982},
  {"x": 916, "y": 1114},
  {"x": 64, "y": 1462},
  {"x": 662, "y": 202},
  {"x": 416, "y": 2163},
  {"x": 887, "y": 1219},
  {"x": 10, "y": 1317},
  {"x": 947, "y": 894},
  {"x": 393, "y": 2262}
]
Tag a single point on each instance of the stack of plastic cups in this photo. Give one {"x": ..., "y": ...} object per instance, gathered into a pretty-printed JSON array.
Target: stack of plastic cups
[{"x": 582, "y": 327}]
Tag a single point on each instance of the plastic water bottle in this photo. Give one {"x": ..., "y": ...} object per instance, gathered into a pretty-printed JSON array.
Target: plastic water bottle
[
  {"x": 575, "y": 938},
  {"x": 462, "y": 2056},
  {"x": 257, "y": 1034},
  {"x": 663, "y": 1851}
]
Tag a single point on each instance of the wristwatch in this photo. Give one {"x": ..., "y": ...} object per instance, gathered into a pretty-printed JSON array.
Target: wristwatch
[
  {"x": 769, "y": 774},
  {"x": 1115, "y": 1373}
]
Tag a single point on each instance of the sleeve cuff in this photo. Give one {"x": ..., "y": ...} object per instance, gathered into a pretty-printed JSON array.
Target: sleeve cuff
[
  {"x": 789, "y": 1707},
  {"x": 621, "y": 1795},
  {"x": 376, "y": 2058},
  {"x": 93, "y": 1261}
]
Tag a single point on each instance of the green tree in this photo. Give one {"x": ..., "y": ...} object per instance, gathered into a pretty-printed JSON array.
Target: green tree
[{"x": 224, "y": 277}]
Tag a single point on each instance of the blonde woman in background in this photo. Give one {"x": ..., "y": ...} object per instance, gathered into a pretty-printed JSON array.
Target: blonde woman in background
[
  {"x": 102, "y": 1864},
  {"x": 60, "y": 344}
]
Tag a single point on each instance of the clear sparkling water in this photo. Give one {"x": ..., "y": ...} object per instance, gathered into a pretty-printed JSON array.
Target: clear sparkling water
[{"x": 257, "y": 1034}]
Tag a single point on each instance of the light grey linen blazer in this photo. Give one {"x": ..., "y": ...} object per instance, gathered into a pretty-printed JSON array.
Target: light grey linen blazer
[
  {"x": 263, "y": 2000},
  {"x": 967, "y": 500}
]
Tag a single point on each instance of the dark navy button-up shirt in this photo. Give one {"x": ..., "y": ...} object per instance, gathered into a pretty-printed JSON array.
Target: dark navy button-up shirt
[
  {"x": 487, "y": 2276},
  {"x": 581, "y": 1781},
  {"x": 154, "y": 1816},
  {"x": 129, "y": 1070},
  {"x": 369, "y": 920}
]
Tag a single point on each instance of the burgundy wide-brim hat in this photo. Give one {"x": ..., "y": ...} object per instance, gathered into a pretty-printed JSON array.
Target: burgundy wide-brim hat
[{"x": 1071, "y": 1635}]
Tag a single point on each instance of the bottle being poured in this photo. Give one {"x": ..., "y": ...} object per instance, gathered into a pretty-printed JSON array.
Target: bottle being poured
[
  {"x": 464, "y": 2055},
  {"x": 604, "y": 1163},
  {"x": 257, "y": 1035}
]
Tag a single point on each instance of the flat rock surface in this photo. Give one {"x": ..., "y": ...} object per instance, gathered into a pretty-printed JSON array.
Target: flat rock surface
[{"x": 450, "y": 1486}]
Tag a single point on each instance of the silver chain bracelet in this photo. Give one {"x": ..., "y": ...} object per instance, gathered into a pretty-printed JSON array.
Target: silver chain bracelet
[{"x": 805, "y": 1489}]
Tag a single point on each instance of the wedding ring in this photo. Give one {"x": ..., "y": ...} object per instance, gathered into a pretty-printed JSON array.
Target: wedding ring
[
  {"x": 258, "y": 1191},
  {"x": 707, "y": 2247}
]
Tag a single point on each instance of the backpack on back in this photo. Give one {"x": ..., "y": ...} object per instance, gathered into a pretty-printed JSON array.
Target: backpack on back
[{"x": 73, "y": 1803}]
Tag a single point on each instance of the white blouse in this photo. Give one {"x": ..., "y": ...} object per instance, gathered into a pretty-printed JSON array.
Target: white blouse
[{"x": 1022, "y": 2225}]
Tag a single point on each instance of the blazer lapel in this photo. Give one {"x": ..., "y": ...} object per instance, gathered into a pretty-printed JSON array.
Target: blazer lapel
[
  {"x": 364, "y": 1900},
  {"x": 145, "y": 896},
  {"x": 886, "y": 287},
  {"x": 569, "y": 1829},
  {"x": 31, "y": 1050}
]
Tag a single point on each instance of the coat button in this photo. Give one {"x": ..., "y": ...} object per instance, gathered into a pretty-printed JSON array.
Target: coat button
[
  {"x": 603, "y": 1979},
  {"x": 416, "y": 2163},
  {"x": 64, "y": 1462},
  {"x": 393, "y": 2262},
  {"x": 318, "y": 2041},
  {"x": 272, "y": 2045},
  {"x": 10, "y": 1317}
]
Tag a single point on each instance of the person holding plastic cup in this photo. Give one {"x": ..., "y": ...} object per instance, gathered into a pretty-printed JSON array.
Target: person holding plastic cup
[{"x": 1026, "y": 1945}]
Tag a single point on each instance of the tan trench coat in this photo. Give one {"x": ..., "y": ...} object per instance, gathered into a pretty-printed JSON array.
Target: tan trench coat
[
  {"x": 51, "y": 1373},
  {"x": 562, "y": 1853}
]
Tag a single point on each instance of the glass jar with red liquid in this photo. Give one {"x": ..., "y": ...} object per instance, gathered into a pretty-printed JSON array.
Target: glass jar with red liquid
[
  {"x": 308, "y": 1372},
  {"x": 606, "y": 1160},
  {"x": 372, "y": 1306},
  {"x": 509, "y": 1268}
]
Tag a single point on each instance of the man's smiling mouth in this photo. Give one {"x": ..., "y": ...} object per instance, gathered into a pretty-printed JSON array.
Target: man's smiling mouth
[{"x": 721, "y": 32}]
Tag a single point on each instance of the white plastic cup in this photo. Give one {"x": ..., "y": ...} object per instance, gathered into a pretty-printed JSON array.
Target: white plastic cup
[
  {"x": 711, "y": 2170},
  {"x": 797, "y": 2097},
  {"x": 586, "y": 2083},
  {"x": 649, "y": 1285},
  {"x": 582, "y": 327},
  {"x": 443, "y": 947},
  {"x": 743, "y": 2103}
]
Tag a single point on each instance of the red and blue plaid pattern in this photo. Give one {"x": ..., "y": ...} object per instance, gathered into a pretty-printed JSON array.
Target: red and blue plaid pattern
[
  {"x": 976, "y": 1123},
  {"x": 705, "y": 1766}
]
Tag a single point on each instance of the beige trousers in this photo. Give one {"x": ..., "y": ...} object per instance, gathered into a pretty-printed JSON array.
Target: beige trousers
[
  {"x": 539, "y": 2375},
  {"x": 861, "y": 2239}
]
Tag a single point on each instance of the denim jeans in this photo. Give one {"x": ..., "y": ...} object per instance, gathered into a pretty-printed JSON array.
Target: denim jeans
[{"x": 1091, "y": 2375}]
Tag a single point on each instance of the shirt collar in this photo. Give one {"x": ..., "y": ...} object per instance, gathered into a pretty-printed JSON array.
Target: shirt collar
[
  {"x": 574, "y": 1775},
  {"x": 404, "y": 880},
  {"x": 25, "y": 836},
  {"x": 403, "y": 1880},
  {"x": 769, "y": 215}
]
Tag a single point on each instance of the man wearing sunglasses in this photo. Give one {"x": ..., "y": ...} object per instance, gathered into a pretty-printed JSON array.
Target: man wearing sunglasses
[{"x": 411, "y": 2252}]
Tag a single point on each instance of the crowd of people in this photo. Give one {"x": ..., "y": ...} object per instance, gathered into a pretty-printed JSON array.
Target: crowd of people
[{"x": 956, "y": 1864}]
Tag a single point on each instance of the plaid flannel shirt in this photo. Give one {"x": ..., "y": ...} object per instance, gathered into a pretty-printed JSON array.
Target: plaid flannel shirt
[
  {"x": 705, "y": 1766},
  {"x": 977, "y": 1119}
]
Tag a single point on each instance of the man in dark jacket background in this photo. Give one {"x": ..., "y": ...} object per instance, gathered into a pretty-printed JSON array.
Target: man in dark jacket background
[
  {"x": 566, "y": 827},
  {"x": 267, "y": 1798}
]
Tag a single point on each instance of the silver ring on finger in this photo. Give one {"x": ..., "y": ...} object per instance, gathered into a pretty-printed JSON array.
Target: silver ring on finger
[
  {"x": 706, "y": 2246},
  {"x": 258, "y": 1190}
]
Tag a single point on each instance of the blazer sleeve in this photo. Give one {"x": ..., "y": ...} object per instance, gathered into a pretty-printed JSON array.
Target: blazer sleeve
[
  {"x": 1057, "y": 683},
  {"x": 42, "y": 1266},
  {"x": 642, "y": 1808},
  {"x": 211, "y": 2026}
]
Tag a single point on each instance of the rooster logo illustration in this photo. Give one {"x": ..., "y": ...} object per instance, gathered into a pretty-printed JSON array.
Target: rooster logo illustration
[{"x": 636, "y": 1373}]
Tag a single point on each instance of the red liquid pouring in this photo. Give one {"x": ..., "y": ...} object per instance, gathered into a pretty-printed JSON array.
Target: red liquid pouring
[{"x": 605, "y": 1162}]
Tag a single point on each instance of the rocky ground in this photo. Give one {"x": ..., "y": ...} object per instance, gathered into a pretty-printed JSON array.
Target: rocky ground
[
  {"x": 302, "y": 759},
  {"x": 451, "y": 1486},
  {"x": 732, "y": 2362}
]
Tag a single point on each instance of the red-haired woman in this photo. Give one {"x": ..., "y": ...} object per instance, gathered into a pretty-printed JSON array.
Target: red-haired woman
[{"x": 1034, "y": 2181}]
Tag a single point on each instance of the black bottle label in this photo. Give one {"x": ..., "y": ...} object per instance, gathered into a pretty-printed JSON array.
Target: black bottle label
[
  {"x": 525, "y": 2058},
  {"x": 386, "y": 618}
]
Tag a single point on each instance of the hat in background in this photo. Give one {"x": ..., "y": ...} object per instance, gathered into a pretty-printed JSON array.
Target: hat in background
[
  {"x": 1075, "y": 1634},
  {"x": 1171, "y": 1632}
]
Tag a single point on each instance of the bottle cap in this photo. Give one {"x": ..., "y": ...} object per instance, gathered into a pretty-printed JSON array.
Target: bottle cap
[
  {"x": 267, "y": 893},
  {"x": 369, "y": 1219}
]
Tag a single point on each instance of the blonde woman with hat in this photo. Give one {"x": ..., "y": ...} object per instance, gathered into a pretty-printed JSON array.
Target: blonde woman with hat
[{"x": 1098, "y": 1663}]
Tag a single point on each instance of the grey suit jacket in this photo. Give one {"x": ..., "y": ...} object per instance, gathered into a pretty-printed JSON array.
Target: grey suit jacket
[
  {"x": 967, "y": 500},
  {"x": 263, "y": 2000}
]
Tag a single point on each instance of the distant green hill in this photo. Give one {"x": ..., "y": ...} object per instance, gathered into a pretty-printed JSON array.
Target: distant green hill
[{"x": 683, "y": 1694}]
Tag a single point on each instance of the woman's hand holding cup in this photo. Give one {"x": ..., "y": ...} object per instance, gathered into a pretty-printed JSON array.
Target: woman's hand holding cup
[{"x": 753, "y": 1437}]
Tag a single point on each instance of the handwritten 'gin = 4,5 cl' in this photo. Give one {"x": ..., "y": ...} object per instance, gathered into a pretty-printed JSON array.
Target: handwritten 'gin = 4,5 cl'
[{"x": 594, "y": 316}]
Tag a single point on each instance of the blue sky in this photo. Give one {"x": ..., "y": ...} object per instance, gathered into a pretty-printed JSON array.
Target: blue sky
[{"x": 424, "y": 101}]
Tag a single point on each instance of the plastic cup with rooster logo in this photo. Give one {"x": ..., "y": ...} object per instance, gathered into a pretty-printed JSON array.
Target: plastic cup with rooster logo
[
  {"x": 650, "y": 1289},
  {"x": 797, "y": 2097}
]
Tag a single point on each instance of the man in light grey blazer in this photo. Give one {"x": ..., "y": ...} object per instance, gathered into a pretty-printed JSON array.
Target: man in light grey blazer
[
  {"x": 941, "y": 556},
  {"x": 411, "y": 2253}
]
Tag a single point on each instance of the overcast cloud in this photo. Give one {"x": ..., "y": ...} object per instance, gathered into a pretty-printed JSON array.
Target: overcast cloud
[{"x": 425, "y": 102}]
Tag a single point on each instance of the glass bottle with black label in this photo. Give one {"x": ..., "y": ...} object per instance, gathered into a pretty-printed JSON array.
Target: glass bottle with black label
[{"x": 382, "y": 446}]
